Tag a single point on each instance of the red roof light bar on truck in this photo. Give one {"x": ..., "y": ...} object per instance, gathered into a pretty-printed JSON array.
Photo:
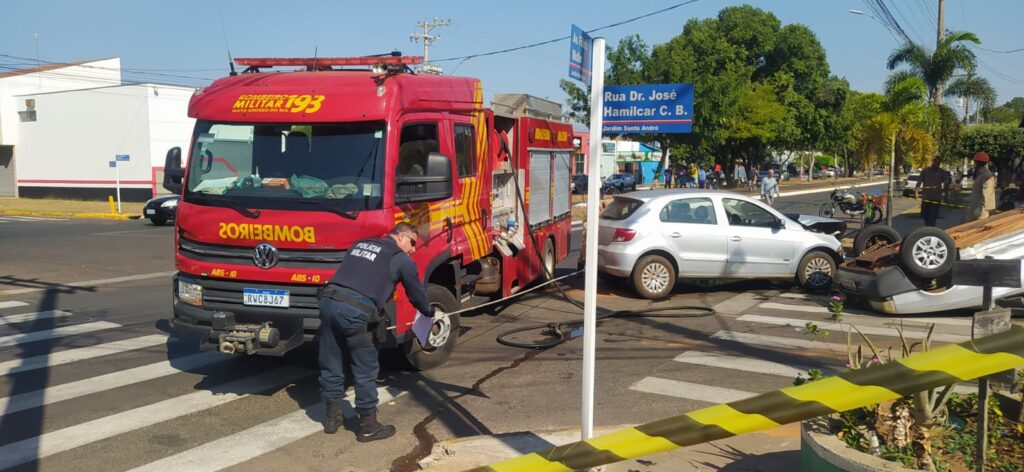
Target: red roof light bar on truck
[{"x": 328, "y": 61}]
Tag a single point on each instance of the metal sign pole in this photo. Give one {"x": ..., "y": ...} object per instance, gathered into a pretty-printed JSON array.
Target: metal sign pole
[
  {"x": 593, "y": 203},
  {"x": 117, "y": 177}
]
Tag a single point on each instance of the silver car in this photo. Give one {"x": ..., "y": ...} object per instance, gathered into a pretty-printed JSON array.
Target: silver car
[{"x": 656, "y": 236}]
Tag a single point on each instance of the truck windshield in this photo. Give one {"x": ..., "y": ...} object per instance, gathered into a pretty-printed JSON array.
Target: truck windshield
[{"x": 279, "y": 165}]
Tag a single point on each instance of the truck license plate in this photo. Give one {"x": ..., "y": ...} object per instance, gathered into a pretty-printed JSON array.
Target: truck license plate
[{"x": 265, "y": 297}]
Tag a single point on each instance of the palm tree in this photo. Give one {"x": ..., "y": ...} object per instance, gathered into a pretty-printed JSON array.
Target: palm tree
[
  {"x": 972, "y": 87},
  {"x": 935, "y": 68},
  {"x": 901, "y": 127}
]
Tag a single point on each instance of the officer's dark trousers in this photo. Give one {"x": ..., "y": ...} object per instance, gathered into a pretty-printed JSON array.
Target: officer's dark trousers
[
  {"x": 343, "y": 337},
  {"x": 930, "y": 212}
]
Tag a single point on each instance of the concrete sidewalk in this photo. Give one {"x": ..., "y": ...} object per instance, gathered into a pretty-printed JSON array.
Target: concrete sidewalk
[
  {"x": 773, "y": 450},
  {"x": 53, "y": 208}
]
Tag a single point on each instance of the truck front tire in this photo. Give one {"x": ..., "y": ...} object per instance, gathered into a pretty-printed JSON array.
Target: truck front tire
[{"x": 423, "y": 358}]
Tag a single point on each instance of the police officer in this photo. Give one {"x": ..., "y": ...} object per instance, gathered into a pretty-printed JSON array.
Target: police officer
[{"x": 349, "y": 308}]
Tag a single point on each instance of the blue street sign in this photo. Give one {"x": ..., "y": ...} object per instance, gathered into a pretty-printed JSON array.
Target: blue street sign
[
  {"x": 121, "y": 157},
  {"x": 580, "y": 57},
  {"x": 112, "y": 163},
  {"x": 648, "y": 109}
]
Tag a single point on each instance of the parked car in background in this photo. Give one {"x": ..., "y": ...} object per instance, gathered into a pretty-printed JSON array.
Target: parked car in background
[
  {"x": 654, "y": 237},
  {"x": 623, "y": 182},
  {"x": 909, "y": 185},
  {"x": 161, "y": 209},
  {"x": 579, "y": 183}
]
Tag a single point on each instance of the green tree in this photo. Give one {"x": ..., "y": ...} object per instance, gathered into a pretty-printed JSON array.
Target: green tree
[
  {"x": 973, "y": 88},
  {"x": 1010, "y": 112},
  {"x": 936, "y": 67},
  {"x": 857, "y": 111},
  {"x": 578, "y": 101},
  {"x": 1004, "y": 143}
]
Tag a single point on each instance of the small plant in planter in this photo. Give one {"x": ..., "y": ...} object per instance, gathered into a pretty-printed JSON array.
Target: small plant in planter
[
  {"x": 835, "y": 307},
  {"x": 931, "y": 430}
]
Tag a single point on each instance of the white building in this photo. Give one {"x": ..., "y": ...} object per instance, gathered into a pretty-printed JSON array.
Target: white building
[{"x": 60, "y": 126}]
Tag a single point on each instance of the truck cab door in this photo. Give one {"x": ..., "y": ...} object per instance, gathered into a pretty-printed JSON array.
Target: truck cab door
[
  {"x": 470, "y": 138},
  {"x": 420, "y": 135}
]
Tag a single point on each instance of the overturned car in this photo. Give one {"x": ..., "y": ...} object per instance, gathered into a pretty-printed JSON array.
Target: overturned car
[{"x": 914, "y": 275}]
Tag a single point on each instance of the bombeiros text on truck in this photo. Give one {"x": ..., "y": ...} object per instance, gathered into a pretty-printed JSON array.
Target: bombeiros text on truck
[{"x": 289, "y": 168}]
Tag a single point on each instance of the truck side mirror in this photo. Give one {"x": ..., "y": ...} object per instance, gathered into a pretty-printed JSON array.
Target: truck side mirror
[
  {"x": 435, "y": 184},
  {"x": 173, "y": 173}
]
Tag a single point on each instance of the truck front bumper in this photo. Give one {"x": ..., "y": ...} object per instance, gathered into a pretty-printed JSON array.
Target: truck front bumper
[{"x": 296, "y": 324}]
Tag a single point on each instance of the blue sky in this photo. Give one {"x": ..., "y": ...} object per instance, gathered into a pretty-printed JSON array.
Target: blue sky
[{"x": 186, "y": 37}]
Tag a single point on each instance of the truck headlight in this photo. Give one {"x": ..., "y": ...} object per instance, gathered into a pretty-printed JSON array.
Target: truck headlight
[
  {"x": 169, "y": 204},
  {"x": 190, "y": 293}
]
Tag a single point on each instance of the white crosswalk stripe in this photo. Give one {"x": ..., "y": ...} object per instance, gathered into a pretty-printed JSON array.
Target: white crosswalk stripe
[
  {"x": 745, "y": 364},
  {"x": 778, "y": 341},
  {"x": 54, "y": 442},
  {"x": 844, "y": 327},
  {"x": 80, "y": 354},
  {"x": 12, "y": 304},
  {"x": 24, "y": 401},
  {"x": 26, "y": 317},
  {"x": 689, "y": 390},
  {"x": 63, "y": 331},
  {"x": 258, "y": 440}
]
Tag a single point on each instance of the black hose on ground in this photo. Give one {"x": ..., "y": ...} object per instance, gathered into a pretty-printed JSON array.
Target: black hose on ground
[{"x": 560, "y": 332}]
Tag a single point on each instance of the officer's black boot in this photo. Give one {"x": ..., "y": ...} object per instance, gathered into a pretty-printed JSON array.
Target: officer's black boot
[
  {"x": 334, "y": 417},
  {"x": 371, "y": 430}
]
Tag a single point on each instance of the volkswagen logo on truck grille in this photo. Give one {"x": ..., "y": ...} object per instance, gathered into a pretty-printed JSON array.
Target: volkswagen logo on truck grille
[{"x": 264, "y": 256}]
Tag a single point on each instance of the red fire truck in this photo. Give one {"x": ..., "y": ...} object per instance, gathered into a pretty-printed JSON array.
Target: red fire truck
[{"x": 287, "y": 169}]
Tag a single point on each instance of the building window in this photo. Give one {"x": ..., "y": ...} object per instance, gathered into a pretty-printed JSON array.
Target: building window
[
  {"x": 465, "y": 150},
  {"x": 581, "y": 163},
  {"x": 607, "y": 147}
]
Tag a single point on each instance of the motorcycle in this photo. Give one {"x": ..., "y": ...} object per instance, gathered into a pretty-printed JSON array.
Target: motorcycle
[{"x": 869, "y": 207}]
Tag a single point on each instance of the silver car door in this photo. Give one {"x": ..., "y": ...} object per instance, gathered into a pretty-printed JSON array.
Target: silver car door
[
  {"x": 691, "y": 227},
  {"x": 757, "y": 247}
]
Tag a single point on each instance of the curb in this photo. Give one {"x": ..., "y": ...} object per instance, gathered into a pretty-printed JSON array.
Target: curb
[{"x": 67, "y": 214}]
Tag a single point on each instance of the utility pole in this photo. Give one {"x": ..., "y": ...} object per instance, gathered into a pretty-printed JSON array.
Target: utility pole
[
  {"x": 427, "y": 39},
  {"x": 939, "y": 35}
]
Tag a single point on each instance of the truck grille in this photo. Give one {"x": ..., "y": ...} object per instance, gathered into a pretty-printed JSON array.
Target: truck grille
[
  {"x": 289, "y": 258},
  {"x": 227, "y": 296}
]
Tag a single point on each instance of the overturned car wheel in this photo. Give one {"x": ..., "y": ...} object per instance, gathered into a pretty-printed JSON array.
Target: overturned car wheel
[
  {"x": 928, "y": 252},
  {"x": 874, "y": 235}
]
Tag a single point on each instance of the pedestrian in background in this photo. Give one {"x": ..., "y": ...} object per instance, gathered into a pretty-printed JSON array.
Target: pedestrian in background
[
  {"x": 769, "y": 188},
  {"x": 668, "y": 177},
  {"x": 933, "y": 185},
  {"x": 702, "y": 177},
  {"x": 983, "y": 192},
  {"x": 740, "y": 174}
]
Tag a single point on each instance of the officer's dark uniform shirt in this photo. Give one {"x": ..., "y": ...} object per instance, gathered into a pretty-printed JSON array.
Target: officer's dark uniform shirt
[{"x": 372, "y": 267}]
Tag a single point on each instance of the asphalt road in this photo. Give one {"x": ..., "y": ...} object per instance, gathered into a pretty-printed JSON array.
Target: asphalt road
[{"x": 92, "y": 378}]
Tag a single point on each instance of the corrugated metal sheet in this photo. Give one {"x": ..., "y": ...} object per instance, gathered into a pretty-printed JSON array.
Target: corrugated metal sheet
[
  {"x": 540, "y": 187},
  {"x": 561, "y": 183}
]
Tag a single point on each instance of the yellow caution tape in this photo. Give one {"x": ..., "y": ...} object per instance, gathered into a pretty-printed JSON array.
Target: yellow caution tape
[{"x": 854, "y": 389}]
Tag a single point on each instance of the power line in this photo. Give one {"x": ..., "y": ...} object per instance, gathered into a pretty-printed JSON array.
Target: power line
[
  {"x": 555, "y": 40},
  {"x": 133, "y": 71},
  {"x": 1011, "y": 51}
]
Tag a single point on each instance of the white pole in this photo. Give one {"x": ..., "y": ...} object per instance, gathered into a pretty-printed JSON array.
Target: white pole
[
  {"x": 117, "y": 176},
  {"x": 593, "y": 203}
]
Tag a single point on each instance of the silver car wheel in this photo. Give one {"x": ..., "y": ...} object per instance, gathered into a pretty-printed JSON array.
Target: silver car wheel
[
  {"x": 655, "y": 277},
  {"x": 440, "y": 329},
  {"x": 929, "y": 252},
  {"x": 818, "y": 271}
]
